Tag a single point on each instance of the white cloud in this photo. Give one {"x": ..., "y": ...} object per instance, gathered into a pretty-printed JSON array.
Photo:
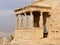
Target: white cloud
[
  {"x": 24, "y": 0},
  {"x": 7, "y": 6},
  {"x": 4, "y": 12}
]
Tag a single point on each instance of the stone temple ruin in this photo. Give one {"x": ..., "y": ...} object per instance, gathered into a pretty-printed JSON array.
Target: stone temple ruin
[{"x": 35, "y": 25}]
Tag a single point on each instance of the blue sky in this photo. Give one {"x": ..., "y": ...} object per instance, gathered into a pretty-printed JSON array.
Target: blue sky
[{"x": 7, "y": 16}]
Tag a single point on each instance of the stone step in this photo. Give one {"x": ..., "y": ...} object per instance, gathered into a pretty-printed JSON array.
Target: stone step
[{"x": 44, "y": 41}]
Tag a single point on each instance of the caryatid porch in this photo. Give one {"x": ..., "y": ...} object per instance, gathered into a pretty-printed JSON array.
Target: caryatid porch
[{"x": 34, "y": 11}]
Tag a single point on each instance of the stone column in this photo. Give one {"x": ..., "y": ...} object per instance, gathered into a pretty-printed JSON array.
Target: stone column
[
  {"x": 16, "y": 21},
  {"x": 19, "y": 21},
  {"x": 31, "y": 18},
  {"x": 22, "y": 20},
  {"x": 45, "y": 23},
  {"x": 28, "y": 19}
]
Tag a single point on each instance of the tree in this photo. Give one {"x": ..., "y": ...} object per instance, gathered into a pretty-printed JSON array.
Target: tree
[{"x": 11, "y": 37}]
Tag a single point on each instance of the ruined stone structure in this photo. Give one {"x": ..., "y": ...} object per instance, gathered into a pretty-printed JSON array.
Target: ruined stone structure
[{"x": 36, "y": 25}]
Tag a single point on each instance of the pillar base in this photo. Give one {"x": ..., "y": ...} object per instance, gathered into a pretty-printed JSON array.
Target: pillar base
[{"x": 45, "y": 35}]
